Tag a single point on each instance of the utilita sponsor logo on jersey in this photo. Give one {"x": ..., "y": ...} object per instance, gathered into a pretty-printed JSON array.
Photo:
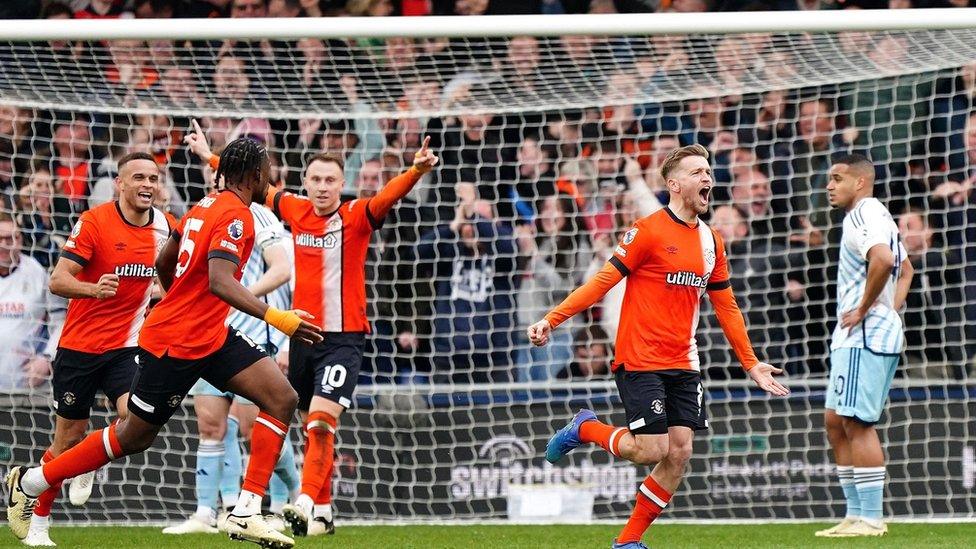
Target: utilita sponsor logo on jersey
[
  {"x": 135, "y": 270},
  {"x": 688, "y": 278},
  {"x": 312, "y": 241}
]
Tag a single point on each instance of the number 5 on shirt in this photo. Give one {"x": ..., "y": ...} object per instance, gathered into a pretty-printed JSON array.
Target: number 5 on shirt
[{"x": 187, "y": 245}]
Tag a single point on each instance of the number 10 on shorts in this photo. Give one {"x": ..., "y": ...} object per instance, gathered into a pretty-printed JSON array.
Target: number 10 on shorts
[{"x": 333, "y": 376}]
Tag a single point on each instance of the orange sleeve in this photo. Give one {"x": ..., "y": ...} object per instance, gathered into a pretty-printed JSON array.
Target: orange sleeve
[
  {"x": 733, "y": 325},
  {"x": 269, "y": 199},
  {"x": 586, "y": 295},
  {"x": 397, "y": 188}
]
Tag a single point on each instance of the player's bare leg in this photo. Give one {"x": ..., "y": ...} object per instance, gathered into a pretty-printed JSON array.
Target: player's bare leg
[
  {"x": 869, "y": 477},
  {"x": 656, "y": 490},
  {"x": 263, "y": 384},
  {"x": 130, "y": 436},
  {"x": 311, "y": 514},
  {"x": 837, "y": 436},
  {"x": 67, "y": 434},
  {"x": 211, "y": 414}
]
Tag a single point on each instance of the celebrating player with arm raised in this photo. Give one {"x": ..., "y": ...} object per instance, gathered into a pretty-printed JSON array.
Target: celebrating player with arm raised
[
  {"x": 184, "y": 338},
  {"x": 331, "y": 240},
  {"x": 670, "y": 259}
]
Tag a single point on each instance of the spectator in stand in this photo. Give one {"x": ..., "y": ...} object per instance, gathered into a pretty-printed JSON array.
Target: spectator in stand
[
  {"x": 71, "y": 161},
  {"x": 954, "y": 101},
  {"x": 535, "y": 178},
  {"x": 751, "y": 194},
  {"x": 592, "y": 355},
  {"x": 472, "y": 151},
  {"x": 25, "y": 304},
  {"x": 358, "y": 141},
  {"x": 130, "y": 74},
  {"x": 369, "y": 8},
  {"x": 399, "y": 296},
  {"x": 818, "y": 141},
  {"x": 45, "y": 219},
  {"x": 474, "y": 305},
  {"x": 603, "y": 245},
  {"x": 103, "y": 9},
  {"x": 16, "y": 126},
  {"x": 284, "y": 8},
  {"x": 519, "y": 69},
  {"x": 890, "y": 117},
  {"x": 232, "y": 83},
  {"x": 154, "y": 9},
  {"x": 179, "y": 88},
  {"x": 934, "y": 319},
  {"x": 761, "y": 268},
  {"x": 555, "y": 251},
  {"x": 7, "y": 185}
]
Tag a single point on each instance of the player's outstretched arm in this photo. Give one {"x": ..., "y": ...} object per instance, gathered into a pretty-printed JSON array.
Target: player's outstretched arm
[
  {"x": 65, "y": 284},
  {"x": 226, "y": 287},
  {"x": 398, "y": 187},
  {"x": 582, "y": 298},
  {"x": 734, "y": 328}
]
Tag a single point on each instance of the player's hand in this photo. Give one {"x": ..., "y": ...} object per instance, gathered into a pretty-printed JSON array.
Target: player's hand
[
  {"x": 307, "y": 332},
  {"x": 539, "y": 332},
  {"x": 197, "y": 142},
  {"x": 763, "y": 373},
  {"x": 107, "y": 286},
  {"x": 852, "y": 318},
  {"x": 424, "y": 160},
  {"x": 36, "y": 370}
]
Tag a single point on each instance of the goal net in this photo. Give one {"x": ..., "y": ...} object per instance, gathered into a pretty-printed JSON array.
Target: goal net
[{"x": 550, "y": 147}]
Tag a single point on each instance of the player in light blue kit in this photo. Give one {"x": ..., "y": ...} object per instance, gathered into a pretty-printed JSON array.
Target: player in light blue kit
[{"x": 873, "y": 277}]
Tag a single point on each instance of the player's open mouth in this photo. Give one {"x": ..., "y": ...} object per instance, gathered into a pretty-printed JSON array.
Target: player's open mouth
[
  {"x": 147, "y": 196},
  {"x": 703, "y": 193}
]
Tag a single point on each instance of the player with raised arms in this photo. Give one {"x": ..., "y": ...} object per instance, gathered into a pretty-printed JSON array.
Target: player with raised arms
[
  {"x": 873, "y": 279},
  {"x": 184, "y": 338},
  {"x": 331, "y": 240},
  {"x": 106, "y": 270},
  {"x": 671, "y": 259}
]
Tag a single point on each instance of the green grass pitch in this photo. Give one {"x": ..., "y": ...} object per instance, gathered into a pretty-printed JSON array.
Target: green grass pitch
[{"x": 915, "y": 536}]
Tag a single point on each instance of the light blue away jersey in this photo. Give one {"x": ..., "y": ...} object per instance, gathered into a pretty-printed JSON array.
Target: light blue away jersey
[
  {"x": 268, "y": 231},
  {"x": 865, "y": 226}
]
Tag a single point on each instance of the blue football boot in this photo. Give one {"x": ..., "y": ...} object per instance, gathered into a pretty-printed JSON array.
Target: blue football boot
[
  {"x": 628, "y": 545},
  {"x": 567, "y": 439}
]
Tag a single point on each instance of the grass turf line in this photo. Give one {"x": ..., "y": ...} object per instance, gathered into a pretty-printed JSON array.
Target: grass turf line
[{"x": 562, "y": 537}]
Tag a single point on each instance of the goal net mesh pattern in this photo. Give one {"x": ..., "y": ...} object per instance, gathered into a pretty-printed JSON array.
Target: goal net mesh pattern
[{"x": 550, "y": 149}]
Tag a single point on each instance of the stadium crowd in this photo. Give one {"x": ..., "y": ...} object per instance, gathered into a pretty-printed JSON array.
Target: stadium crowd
[{"x": 526, "y": 205}]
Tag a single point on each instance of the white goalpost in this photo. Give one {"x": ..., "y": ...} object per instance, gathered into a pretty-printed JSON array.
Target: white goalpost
[{"x": 550, "y": 131}]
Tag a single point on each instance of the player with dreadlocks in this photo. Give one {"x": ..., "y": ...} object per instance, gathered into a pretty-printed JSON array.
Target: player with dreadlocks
[{"x": 184, "y": 339}]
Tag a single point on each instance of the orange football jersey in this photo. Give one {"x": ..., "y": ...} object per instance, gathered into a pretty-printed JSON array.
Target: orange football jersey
[
  {"x": 330, "y": 259},
  {"x": 669, "y": 265},
  {"x": 188, "y": 322},
  {"x": 103, "y": 242}
]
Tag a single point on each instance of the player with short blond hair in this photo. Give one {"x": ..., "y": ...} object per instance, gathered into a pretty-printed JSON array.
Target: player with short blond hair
[{"x": 671, "y": 259}]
